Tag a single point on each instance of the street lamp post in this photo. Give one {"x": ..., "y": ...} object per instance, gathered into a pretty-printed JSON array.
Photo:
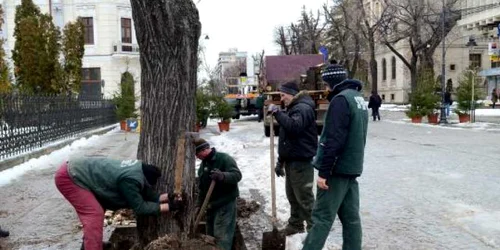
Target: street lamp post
[
  {"x": 443, "y": 119},
  {"x": 471, "y": 44}
]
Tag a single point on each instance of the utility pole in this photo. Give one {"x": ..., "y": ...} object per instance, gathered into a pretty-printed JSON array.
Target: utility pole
[{"x": 442, "y": 119}]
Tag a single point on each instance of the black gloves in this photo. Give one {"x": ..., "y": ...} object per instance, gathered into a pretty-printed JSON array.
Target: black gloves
[
  {"x": 279, "y": 170},
  {"x": 175, "y": 204},
  {"x": 217, "y": 175}
]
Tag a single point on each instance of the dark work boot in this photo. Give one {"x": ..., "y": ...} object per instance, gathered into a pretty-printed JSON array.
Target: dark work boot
[
  {"x": 106, "y": 245},
  {"x": 290, "y": 230},
  {"x": 4, "y": 233}
]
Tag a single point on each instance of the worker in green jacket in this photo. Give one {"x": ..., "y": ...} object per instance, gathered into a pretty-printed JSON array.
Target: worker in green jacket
[
  {"x": 339, "y": 160},
  {"x": 221, "y": 211},
  {"x": 93, "y": 184}
]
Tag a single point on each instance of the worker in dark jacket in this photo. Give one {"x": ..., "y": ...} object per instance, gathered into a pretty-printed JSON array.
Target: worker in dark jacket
[
  {"x": 339, "y": 161},
  {"x": 374, "y": 104},
  {"x": 259, "y": 105},
  {"x": 298, "y": 141},
  {"x": 221, "y": 211},
  {"x": 93, "y": 184},
  {"x": 3, "y": 233}
]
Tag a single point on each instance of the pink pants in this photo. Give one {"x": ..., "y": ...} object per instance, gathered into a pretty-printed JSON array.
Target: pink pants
[{"x": 87, "y": 207}]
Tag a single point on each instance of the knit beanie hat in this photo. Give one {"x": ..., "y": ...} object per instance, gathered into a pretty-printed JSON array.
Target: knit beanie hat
[
  {"x": 201, "y": 145},
  {"x": 151, "y": 172},
  {"x": 290, "y": 88},
  {"x": 334, "y": 74}
]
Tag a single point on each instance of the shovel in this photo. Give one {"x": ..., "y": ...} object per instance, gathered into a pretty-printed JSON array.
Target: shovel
[
  {"x": 273, "y": 240},
  {"x": 204, "y": 206}
]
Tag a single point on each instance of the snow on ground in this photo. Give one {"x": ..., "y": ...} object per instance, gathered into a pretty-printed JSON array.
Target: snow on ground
[
  {"x": 477, "y": 126},
  {"x": 394, "y": 107},
  {"x": 488, "y": 112},
  {"x": 46, "y": 161}
]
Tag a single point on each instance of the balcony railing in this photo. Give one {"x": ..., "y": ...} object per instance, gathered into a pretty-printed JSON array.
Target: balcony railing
[{"x": 125, "y": 48}]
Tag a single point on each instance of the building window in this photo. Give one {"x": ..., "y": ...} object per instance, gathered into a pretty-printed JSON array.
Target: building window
[
  {"x": 126, "y": 34},
  {"x": 126, "y": 30},
  {"x": 88, "y": 29},
  {"x": 453, "y": 67},
  {"x": 384, "y": 70},
  {"x": 383, "y": 98},
  {"x": 91, "y": 82},
  {"x": 393, "y": 65},
  {"x": 475, "y": 60},
  {"x": 393, "y": 97}
]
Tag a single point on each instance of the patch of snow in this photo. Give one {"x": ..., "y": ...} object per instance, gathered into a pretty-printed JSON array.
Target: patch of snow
[
  {"x": 476, "y": 221},
  {"x": 453, "y": 126},
  {"x": 46, "y": 161},
  {"x": 294, "y": 242},
  {"x": 394, "y": 107},
  {"x": 488, "y": 112}
]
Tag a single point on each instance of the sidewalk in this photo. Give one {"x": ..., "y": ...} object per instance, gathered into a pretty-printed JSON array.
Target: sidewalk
[{"x": 32, "y": 209}]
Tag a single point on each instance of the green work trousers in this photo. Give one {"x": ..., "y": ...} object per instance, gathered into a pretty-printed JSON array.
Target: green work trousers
[
  {"x": 342, "y": 198},
  {"x": 221, "y": 224},
  {"x": 299, "y": 192}
]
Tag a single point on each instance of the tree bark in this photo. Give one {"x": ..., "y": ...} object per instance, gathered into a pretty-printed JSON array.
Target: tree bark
[
  {"x": 373, "y": 68},
  {"x": 167, "y": 32}
]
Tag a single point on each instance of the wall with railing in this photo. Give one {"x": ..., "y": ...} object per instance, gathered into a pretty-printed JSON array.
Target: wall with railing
[{"x": 30, "y": 122}]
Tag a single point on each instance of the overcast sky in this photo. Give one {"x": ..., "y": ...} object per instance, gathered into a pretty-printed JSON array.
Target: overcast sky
[{"x": 247, "y": 24}]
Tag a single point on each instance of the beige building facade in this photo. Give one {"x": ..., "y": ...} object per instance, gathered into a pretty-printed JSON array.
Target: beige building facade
[
  {"x": 394, "y": 80},
  {"x": 110, "y": 43}
]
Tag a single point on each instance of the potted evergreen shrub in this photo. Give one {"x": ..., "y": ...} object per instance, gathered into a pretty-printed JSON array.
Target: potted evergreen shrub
[
  {"x": 224, "y": 112},
  {"x": 429, "y": 91},
  {"x": 125, "y": 100},
  {"x": 202, "y": 109},
  {"x": 464, "y": 94},
  {"x": 418, "y": 107}
]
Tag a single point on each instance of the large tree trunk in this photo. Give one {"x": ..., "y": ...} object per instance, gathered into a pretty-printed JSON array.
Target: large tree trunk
[
  {"x": 427, "y": 61},
  {"x": 167, "y": 33}
]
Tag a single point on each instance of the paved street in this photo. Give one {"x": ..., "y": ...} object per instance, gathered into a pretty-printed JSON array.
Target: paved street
[{"x": 424, "y": 187}]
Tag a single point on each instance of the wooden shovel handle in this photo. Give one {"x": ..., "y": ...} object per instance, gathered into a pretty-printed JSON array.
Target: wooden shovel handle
[
  {"x": 204, "y": 206},
  {"x": 273, "y": 164}
]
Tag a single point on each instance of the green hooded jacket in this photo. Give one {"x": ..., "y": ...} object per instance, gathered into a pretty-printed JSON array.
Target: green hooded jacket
[{"x": 116, "y": 184}]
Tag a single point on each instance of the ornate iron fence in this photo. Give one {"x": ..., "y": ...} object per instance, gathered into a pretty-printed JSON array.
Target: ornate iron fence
[{"x": 32, "y": 122}]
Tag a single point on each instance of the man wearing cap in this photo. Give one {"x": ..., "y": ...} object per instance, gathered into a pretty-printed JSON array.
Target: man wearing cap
[
  {"x": 339, "y": 161},
  {"x": 221, "y": 211},
  {"x": 94, "y": 184},
  {"x": 298, "y": 140}
]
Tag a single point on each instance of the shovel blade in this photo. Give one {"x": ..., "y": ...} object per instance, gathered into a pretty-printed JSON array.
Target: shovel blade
[{"x": 273, "y": 240}]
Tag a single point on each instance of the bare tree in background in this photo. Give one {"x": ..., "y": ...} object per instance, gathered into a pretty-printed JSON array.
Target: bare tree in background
[
  {"x": 168, "y": 32},
  {"x": 258, "y": 60},
  {"x": 281, "y": 39},
  {"x": 371, "y": 21},
  {"x": 303, "y": 37},
  {"x": 417, "y": 23},
  {"x": 343, "y": 36}
]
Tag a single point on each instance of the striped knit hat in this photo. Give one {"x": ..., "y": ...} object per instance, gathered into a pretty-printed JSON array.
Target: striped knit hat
[
  {"x": 333, "y": 75},
  {"x": 201, "y": 144}
]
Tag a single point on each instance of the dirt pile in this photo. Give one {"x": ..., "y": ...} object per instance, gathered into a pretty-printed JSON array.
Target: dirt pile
[
  {"x": 246, "y": 209},
  {"x": 121, "y": 217},
  {"x": 173, "y": 243}
]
